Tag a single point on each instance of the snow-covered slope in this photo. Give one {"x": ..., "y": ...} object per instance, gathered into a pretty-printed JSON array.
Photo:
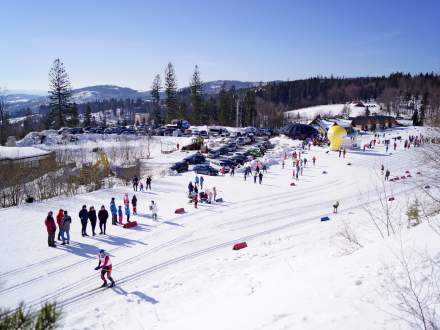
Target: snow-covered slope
[
  {"x": 181, "y": 272},
  {"x": 331, "y": 110}
]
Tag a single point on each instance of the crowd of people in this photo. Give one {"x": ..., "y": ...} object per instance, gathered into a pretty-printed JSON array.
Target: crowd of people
[{"x": 89, "y": 216}]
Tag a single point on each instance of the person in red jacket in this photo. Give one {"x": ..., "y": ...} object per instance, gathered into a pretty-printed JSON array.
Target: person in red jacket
[
  {"x": 106, "y": 267},
  {"x": 51, "y": 229},
  {"x": 60, "y": 216}
]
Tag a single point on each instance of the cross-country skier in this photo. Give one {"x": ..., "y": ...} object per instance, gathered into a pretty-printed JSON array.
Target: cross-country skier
[{"x": 106, "y": 267}]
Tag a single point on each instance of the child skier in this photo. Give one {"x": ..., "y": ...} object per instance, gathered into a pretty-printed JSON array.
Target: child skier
[
  {"x": 127, "y": 213},
  {"x": 106, "y": 267},
  {"x": 120, "y": 213}
]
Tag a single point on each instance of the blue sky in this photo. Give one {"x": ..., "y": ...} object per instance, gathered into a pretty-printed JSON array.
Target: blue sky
[{"x": 127, "y": 42}]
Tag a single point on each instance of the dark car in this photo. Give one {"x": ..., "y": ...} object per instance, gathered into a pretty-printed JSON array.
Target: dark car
[
  {"x": 195, "y": 159},
  {"x": 214, "y": 153},
  {"x": 205, "y": 169},
  {"x": 237, "y": 159},
  {"x": 179, "y": 167}
]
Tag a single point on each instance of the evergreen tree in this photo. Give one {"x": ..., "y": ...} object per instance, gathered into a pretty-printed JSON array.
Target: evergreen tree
[
  {"x": 59, "y": 94},
  {"x": 28, "y": 122},
  {"x": 415, "y": 118},
  {"x": 4, "y": 120},
  {"x": 72, "y": 117},
  {"x": 211, "y": 110},
  {"x": 171, "y": 92},
  {"x": 423, "y": 108},
  {"x": 199, "y": 116},
  {"x": 88, "y": 117},
  {"x": 250, "y": 112},
  {"x": 224, "y": 106},
  {"x": 155, "y": 95}
]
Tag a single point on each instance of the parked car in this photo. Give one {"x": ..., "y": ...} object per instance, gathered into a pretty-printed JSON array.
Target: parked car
[
  {"x": 222, "y": 162},
  {"x": 255, "y": 152},
  {"x": 205, "y": 169},
  {"x": 238, "y": 159},
  {"x": 180, "y": 167},
  {"x": 213, "y": 153},
  {"x": 196, "y": 158},
  {"x": 204, "y": 134}
]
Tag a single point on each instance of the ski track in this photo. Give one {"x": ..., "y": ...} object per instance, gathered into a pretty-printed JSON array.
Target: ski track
[{"x": 298, "y": 213}]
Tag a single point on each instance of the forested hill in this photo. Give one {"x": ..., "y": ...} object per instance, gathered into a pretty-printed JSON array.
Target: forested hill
[{"x": 386, "y": 89}]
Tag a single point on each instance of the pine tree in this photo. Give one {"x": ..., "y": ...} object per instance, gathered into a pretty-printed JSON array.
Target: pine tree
[
  {"x": 72, "y": 118},
  {"x": 199, "y": 116},
  {"x": 415, "y": 118},
  {"x": 250, "y": 111},
  {"x": 59, "y": 94},
  {"x": 88, "y": 117},
  {"x": 171, "y": 92},
  {"x": 155, "y": 95},
  {"x": 423, "y": 108},
  {"x": 225, "y": 105},
  {"x": 212, "y": 111},
  {"x": 4, "y": 120}
]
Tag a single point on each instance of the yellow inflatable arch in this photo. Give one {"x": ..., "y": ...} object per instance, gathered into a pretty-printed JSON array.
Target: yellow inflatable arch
[{"x": 336, "y": 135}]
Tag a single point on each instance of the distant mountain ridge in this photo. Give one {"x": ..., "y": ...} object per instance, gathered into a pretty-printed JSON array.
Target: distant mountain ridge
[{"x": 18, "y": 101}]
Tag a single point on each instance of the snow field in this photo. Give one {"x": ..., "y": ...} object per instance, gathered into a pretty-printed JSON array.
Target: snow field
[{"x": 181, "y": 272}]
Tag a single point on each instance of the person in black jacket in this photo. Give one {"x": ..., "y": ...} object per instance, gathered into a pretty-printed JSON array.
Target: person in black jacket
[
  {"x": 92, "y": 218},
  {"x": 84, "y": 216},
  {"x": 102, "y": 216}
]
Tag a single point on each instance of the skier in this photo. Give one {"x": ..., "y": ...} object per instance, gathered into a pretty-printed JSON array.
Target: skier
[
  {"x": 84, "y": 216},
  {"x": 134, "y": 203},
  {"x": 102, "y": 216},
  {"x": 344, "y": 152},
  {"x": 387, "y": 174},
  {"x": 65, "y": 228},
  {"x": 255, "y": 176},
  {"x": 260, "y": 177},
  {"x": 153, "y": 209},
  {"x": 92, "y": 217},
  {"x": 282, "y": 165},
  {"x": 395, "y": 145},
  {"x": 314, "y": 160},
  {"x": 51, "y": 229},
  {"x": 60, "y": 216},
  {"x": 120, "y": 214},
  {"x": 335, "y": 207},
  {"x": 201, "y": 181},
  {"x": 382, "y": 168},
  {"x": 106, "y": 268},
  {"x": 114, "y": 211},
  {"x": 127, "y": 213},
  {"x": 135, "y": 183},
  {"x": 196, "y": 181},
  {"x": 148, "y": 182}
]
